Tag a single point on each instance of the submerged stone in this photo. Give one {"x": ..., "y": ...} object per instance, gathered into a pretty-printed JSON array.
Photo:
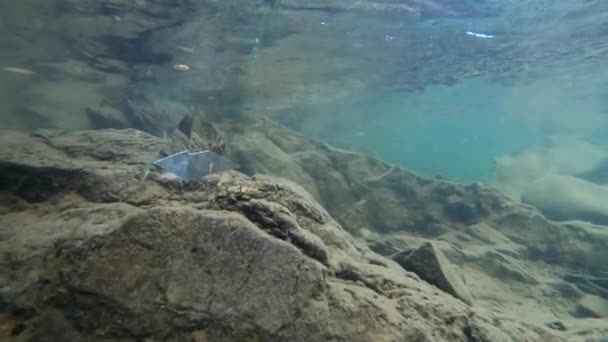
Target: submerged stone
[
  {"x": 590, "y": 306},
  {"x": 429, "y": 263}
]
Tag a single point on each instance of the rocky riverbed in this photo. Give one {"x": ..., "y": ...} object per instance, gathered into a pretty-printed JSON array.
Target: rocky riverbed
[
  {"x": 93, "y": 251},
  {"x": 306, "y": 241}
]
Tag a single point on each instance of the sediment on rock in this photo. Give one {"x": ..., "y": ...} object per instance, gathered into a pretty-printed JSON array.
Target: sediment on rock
[{"x": 168, "y": 260}]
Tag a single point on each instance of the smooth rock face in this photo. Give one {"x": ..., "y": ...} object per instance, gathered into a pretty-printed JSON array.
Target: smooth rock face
[
  {"x": 513, "y": 173},
  {"x": 590, "y": 306},
  {"x": 569, "y": 198},
  {"x": 430, "y": 264},
  {"x": 563, "y": 177},
  {"x": 91, "y": 252}
]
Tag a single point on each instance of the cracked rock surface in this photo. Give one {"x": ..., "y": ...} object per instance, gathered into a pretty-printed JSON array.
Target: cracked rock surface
[{"x": 92, "y": 252}]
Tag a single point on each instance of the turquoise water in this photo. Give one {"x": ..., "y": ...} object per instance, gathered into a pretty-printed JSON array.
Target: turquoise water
[
  {"x": 538, "y": 77},
  {"x": 416, "y": 91},
  {"x": 453, "y": 131}
]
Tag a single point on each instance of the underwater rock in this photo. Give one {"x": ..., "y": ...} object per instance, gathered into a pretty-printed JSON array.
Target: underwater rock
[
  {"x": 505, "y": 267},
  {"x": 589, "y": 283},
  {"x": 157, "y": 114},
  {"x": 383, "y": 198},
  {"x": 598, "y": 174},
  {"x": 389, "y": 245},
  {"x": 431, "y": 265},
  {"x": 95, "y": 252},
  {"x": 566, "y": 289},
  {"x": 590, "y": 306},
  {"x": 62, "y": 104},
  {"x": 513, "y": 173},
  {"x": 487, "y": 234},
  {"x": 565, "y": 198},
  {"x": 105, "y": 116},
  {"x": 557, "y": 325},
  {"x": 260, "y": 153}
]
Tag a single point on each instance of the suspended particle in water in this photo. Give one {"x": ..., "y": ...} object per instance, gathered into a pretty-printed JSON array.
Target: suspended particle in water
[
  {"x": 181, "y": 67},
  {"x": 17, "y": 70}
]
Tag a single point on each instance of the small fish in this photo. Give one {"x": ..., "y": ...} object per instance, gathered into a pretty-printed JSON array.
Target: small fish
[
  {"x": 181, "y": 67},
  {"x": 185, "y": 49},
  {"x": 479, "y": 35},
  {"x": 193, "y": 165},
  {"x": 18, "y": 70}
]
